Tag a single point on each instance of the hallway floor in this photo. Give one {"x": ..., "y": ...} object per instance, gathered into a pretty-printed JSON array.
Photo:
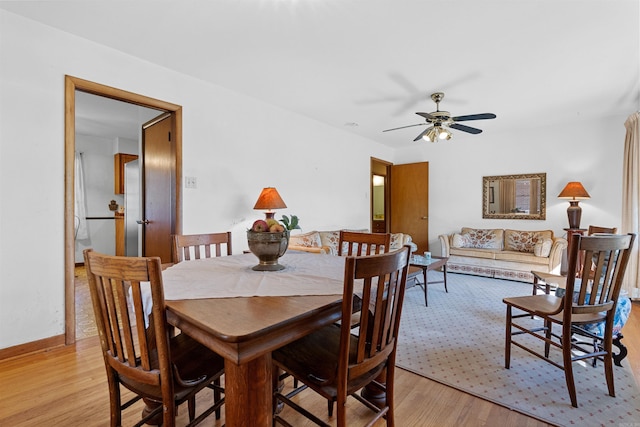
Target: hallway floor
[{"x": 85, "y": 321}]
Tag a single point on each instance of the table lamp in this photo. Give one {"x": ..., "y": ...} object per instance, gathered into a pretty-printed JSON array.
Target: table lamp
[
  {"x": 574, "y": 191},
  {"x": 269, "y": 199}
]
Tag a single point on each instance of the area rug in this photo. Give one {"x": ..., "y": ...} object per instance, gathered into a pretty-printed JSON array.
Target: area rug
[{"x": 458, "y": 340}]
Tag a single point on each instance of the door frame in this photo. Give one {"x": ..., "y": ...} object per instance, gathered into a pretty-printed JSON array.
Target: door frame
[
  {"x": 381, "y": 167},
  {"x": 71, "y": 85}
]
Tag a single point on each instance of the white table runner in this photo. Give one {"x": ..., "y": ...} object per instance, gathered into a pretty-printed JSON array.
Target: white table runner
[{"x": 232, "y": 276}]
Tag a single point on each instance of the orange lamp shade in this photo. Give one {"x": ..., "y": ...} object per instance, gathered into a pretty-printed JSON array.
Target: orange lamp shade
[
  {"x": 575, "y": 191},
  {"x": 269, "y": 199}
]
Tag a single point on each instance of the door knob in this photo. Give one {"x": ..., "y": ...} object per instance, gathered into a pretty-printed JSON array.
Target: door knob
[
  {"x": 144, "y": 221},
  {"x": 425, "y": 217}
]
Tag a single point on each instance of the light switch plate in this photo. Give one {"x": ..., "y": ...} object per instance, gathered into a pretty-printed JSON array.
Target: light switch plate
[{"x": 190, "y": 182}]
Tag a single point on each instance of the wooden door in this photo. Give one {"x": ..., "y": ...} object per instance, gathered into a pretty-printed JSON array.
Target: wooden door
[
  {"x": 409, "y": 202},
  {"x": 159, "y": 199}
]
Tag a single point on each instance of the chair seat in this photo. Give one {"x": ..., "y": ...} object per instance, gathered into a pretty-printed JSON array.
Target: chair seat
[
  {"x": 581, "y": 319},
  {"x": 314, "y": 360},
  {"x": 195, "y": 365},
  {"x": 187, "y": 355},
  {"x": 536, "y": 303},
  {"x": 546, "y": 304}
]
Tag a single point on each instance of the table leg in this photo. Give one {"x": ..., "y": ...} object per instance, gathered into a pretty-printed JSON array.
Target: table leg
[
  {"x": 444, "y": 272},
  {"x": 248, "y": 393},
  {"x": 374, "y": 394},
  {"x": 150, "y": 406},
  {"x": 536, "y": 285},
  {"x": 424, "y": 272}
]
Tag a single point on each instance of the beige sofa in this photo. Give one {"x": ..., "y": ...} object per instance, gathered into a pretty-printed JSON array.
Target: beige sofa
[
  {"x": 326, "y": 242},
  {"x": 503, "y": 254}
]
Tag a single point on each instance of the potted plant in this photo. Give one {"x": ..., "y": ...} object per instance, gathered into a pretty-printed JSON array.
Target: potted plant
[{"x": 290, "y": 223}]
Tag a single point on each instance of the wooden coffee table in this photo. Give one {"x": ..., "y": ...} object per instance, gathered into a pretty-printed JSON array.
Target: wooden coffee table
[{"x": 427, "y": 264}]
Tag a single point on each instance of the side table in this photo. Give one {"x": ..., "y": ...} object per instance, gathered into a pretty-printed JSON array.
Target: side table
[{"x": 427, "y": 264}]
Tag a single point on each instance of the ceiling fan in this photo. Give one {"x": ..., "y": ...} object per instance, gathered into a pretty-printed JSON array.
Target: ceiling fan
[{"x": 439, "y": 119}]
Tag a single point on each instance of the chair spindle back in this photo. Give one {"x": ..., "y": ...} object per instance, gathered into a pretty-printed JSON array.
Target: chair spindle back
[{"x": 353, "y": 243}]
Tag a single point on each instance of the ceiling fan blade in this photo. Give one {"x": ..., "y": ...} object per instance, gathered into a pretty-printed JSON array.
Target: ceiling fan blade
[
  {"x": 422, "y": 134},
  {"x": 464, "y": 128},
  {"x": 482, "y": 116},
  {"x": 402, "y": 127},
  {"x": 426, "y": 115}
]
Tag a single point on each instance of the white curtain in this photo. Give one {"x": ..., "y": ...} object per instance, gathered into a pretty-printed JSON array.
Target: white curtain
[
  {"x": 631, "y": 199},
  {"x": 534, "y": 197},
  {"x": 507, "y": 195},
  {"x": 80, "y": 209}
]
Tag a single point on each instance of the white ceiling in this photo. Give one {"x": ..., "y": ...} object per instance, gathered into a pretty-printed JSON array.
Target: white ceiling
[
  {"x": 109, "y": 118},
  {"x": 534, "y": 63}
]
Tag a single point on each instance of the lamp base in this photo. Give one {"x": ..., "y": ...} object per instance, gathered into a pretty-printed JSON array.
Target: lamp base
[{"x": 574, "y": 212}]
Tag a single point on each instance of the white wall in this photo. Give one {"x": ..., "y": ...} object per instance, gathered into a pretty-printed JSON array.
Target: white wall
[
  {"x": 589, "y": 152},
  {"x": 234, "y": 146}
]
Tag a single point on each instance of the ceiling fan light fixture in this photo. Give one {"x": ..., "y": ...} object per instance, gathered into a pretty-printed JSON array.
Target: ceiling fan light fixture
[
  {"x": 440, "y": 117},
  {"x": 444, "y": 133},
  {"x": 430, "y": 135}
]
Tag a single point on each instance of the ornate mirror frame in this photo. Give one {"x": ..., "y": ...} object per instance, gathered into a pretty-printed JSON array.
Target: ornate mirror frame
[{"x": 491, "y": 186}]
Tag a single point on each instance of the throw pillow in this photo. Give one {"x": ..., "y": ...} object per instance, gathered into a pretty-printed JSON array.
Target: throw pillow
[
  {"x": 309, "y": 240},
  {"x": 460, "y": 241},
  {"x": 396, "y": 240},
  {"x": 543, "y": 248},
  {"x": 524, "y": 241},
  {"x": 483, "y": 238},
  {"x": 330, "y": 239}
]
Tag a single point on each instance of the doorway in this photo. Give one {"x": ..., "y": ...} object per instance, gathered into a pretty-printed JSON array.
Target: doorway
[
  {"x": 73, "y": 84},
  {"x": 380, "y": 200},
  {"x": 400, "y": 200}
]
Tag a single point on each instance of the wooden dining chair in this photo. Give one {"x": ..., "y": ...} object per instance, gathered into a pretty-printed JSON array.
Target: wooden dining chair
[
  {"x": 352, "y": 243},
  {"x": 163, "y": 371},
  {"x": 548, "y": 278},
  {"x": 594, "y": 229},
  {"x": 587, "y": 299},
  {"x": 336, "y": 363},
  {"x": 197, "y": 246}
]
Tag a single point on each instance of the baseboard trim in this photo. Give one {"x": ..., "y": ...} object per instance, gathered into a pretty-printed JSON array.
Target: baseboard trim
[{"x": 32, "y": 347}]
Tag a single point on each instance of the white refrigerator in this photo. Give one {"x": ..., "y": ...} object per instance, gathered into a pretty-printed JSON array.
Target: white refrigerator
[{"x": 132, "y": 209}]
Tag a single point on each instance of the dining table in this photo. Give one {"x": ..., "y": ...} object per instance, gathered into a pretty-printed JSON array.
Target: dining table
[{"x": 244, "y": 315}]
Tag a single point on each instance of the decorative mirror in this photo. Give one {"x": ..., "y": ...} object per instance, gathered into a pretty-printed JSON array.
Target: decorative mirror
[{"x": 514, "y": 196}]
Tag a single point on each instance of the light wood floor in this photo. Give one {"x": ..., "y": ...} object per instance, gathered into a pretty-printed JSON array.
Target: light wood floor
[{"x": 66, "y": 386}]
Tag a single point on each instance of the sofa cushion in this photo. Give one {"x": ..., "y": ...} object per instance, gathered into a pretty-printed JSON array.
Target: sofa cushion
[
  {"x": 483, "y": 238},
  {"x": 524, "y": 241},
  {"x": 520, "y": 257},
  {"x": 474, "y": 252},
  {"x": 308, "y": 240}
]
